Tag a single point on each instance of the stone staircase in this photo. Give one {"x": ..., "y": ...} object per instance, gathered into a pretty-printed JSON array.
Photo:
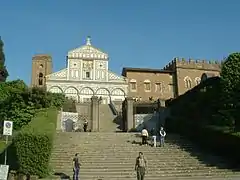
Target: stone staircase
[
  {"x": 106, "y": 119},
  {"x": 111, "y": 156}
]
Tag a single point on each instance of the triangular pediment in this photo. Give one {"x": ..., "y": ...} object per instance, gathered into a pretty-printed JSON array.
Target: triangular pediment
[
  {"x": 61, "y": 75},
  {"x": 87, "y": 51},
  {"x": 114, "y": 77}
]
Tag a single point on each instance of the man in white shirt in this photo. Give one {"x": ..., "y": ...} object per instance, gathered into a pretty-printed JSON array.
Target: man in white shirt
[
  {"x": 162, "y": 136},
  {"x": 144, "y": 136}
]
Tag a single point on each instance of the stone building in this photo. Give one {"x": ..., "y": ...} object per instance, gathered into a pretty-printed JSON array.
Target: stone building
[
  {"x": 176, "y": 78},
  {"x": 41, "y": 66},
  {"x": 86, "y": 75}
]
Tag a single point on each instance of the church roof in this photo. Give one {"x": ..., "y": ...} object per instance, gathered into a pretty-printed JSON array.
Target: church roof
[{"x": 88, "y": 51}]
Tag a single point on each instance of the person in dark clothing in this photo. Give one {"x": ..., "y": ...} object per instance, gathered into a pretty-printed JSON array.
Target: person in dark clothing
[
  {"x": 154, "y": 137},
  {"x": 140, "y": 166},
  {"x": 85, "y": 125},
  {"x": 76, "y": 167},
  {"x": 162, "y": 136}
]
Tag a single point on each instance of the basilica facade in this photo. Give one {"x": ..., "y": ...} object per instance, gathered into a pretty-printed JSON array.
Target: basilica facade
[{"x": 86, "y": 75}]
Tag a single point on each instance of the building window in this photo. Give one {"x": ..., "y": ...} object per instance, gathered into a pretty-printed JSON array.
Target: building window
[
  {"x": 40, "y": 79},
  {"x": 147, "y": 85},
  {"x": 41, "y": 66},
  {"x": 158, "y": 87},
  {"x": 133, "y": 85},
  {"x": 87, "y": 74},
  {"x": 188, "y": 82}
]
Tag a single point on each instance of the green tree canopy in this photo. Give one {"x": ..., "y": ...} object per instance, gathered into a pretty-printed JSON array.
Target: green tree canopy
[
  {"x": 230, "y": 72},
  {"x": 230, "y": 88},
  {"x": 3, "y": 70}
]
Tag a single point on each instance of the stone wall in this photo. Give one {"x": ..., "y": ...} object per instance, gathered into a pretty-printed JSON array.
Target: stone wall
[
  {"x": 69, "y": 119},
  {"x": 153, "y": 116},
  {"x": 85, "y": 111},
  {"x": 146, "y": 120}
]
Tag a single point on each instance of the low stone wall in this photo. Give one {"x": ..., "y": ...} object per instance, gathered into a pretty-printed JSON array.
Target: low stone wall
[{"x": 67, "y": 118}]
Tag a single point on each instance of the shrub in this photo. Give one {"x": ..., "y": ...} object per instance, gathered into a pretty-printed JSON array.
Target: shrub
[
  {"x": 34, "y": 144},
  {"x": 69, "y": 106}
]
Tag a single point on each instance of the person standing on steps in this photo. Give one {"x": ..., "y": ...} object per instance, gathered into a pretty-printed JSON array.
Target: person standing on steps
[
  {"x": 85, "y": 125},
  {"x": 154, "y": 137},
  {"x": 140, "y": 166},
  {"x": 76, "y": 167},
  {"x": 162, "y": 137},
  {"x": 144, "y": 136}
]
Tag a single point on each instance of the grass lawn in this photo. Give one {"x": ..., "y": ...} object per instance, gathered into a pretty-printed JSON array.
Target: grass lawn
[{"x": 43, "y": 122}]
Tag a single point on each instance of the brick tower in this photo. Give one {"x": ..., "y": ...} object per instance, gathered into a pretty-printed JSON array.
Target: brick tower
[{"x": 41, "y": 66}]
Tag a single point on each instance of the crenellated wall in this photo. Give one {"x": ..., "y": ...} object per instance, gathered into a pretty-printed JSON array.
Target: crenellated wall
[
  {"x": 193, "y": 64},
  {"x": 188, "y": 72}
]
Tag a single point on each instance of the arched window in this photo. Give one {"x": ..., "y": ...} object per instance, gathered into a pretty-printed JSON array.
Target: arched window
[
  {"x": 41, "y": 66},
  {"x": 197, "y": 80},
  {"x": 188, "y": 82},
  {"x": 147, "y": 85},
  {"x": 40, "y": 79}
]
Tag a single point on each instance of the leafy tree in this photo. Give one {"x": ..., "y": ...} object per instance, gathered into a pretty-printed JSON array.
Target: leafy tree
[
  {"x": 8, "y": 88},
  {"x": 15, "y": 109},
  {"x": 19, "y": 103},
  {"x": 230, "y": 86},
  {"x": 3, "y": 70},
  {"x": 230, "y": 73}
]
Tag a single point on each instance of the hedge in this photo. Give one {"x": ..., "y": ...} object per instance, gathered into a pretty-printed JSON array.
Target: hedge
[
  {"x": 197, "y": 115},
  {"x": 216, "y": 140},
  {"x": 33, "y": 144}
]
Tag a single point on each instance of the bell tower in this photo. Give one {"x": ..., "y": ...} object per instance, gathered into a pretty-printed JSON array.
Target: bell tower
[{"x": 41, "y": 66}]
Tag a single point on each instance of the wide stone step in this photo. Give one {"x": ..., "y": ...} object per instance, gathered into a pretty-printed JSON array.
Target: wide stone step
[
  {"x": 161, "y": 163},
  {"x": 126, "y": 167},
  {"x": 127, "y": 148},
  {"x": 115, "y": 166},
  {"x": 130, "y": 166},
  {"x": 130, "y": 154},
  {"x": 120, "y": 145},
  {"x": 151, "y": 175},
  {"x": 84, "y": 140},
  {"x": 124, "y": 149},
  {"x": 133, "y": 158},
  {"x": 236, "y": 177},
  {"x": 124, "y": 153}
]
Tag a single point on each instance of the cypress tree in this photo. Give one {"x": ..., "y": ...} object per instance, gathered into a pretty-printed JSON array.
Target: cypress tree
[{"x": 3, "y": 69}]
